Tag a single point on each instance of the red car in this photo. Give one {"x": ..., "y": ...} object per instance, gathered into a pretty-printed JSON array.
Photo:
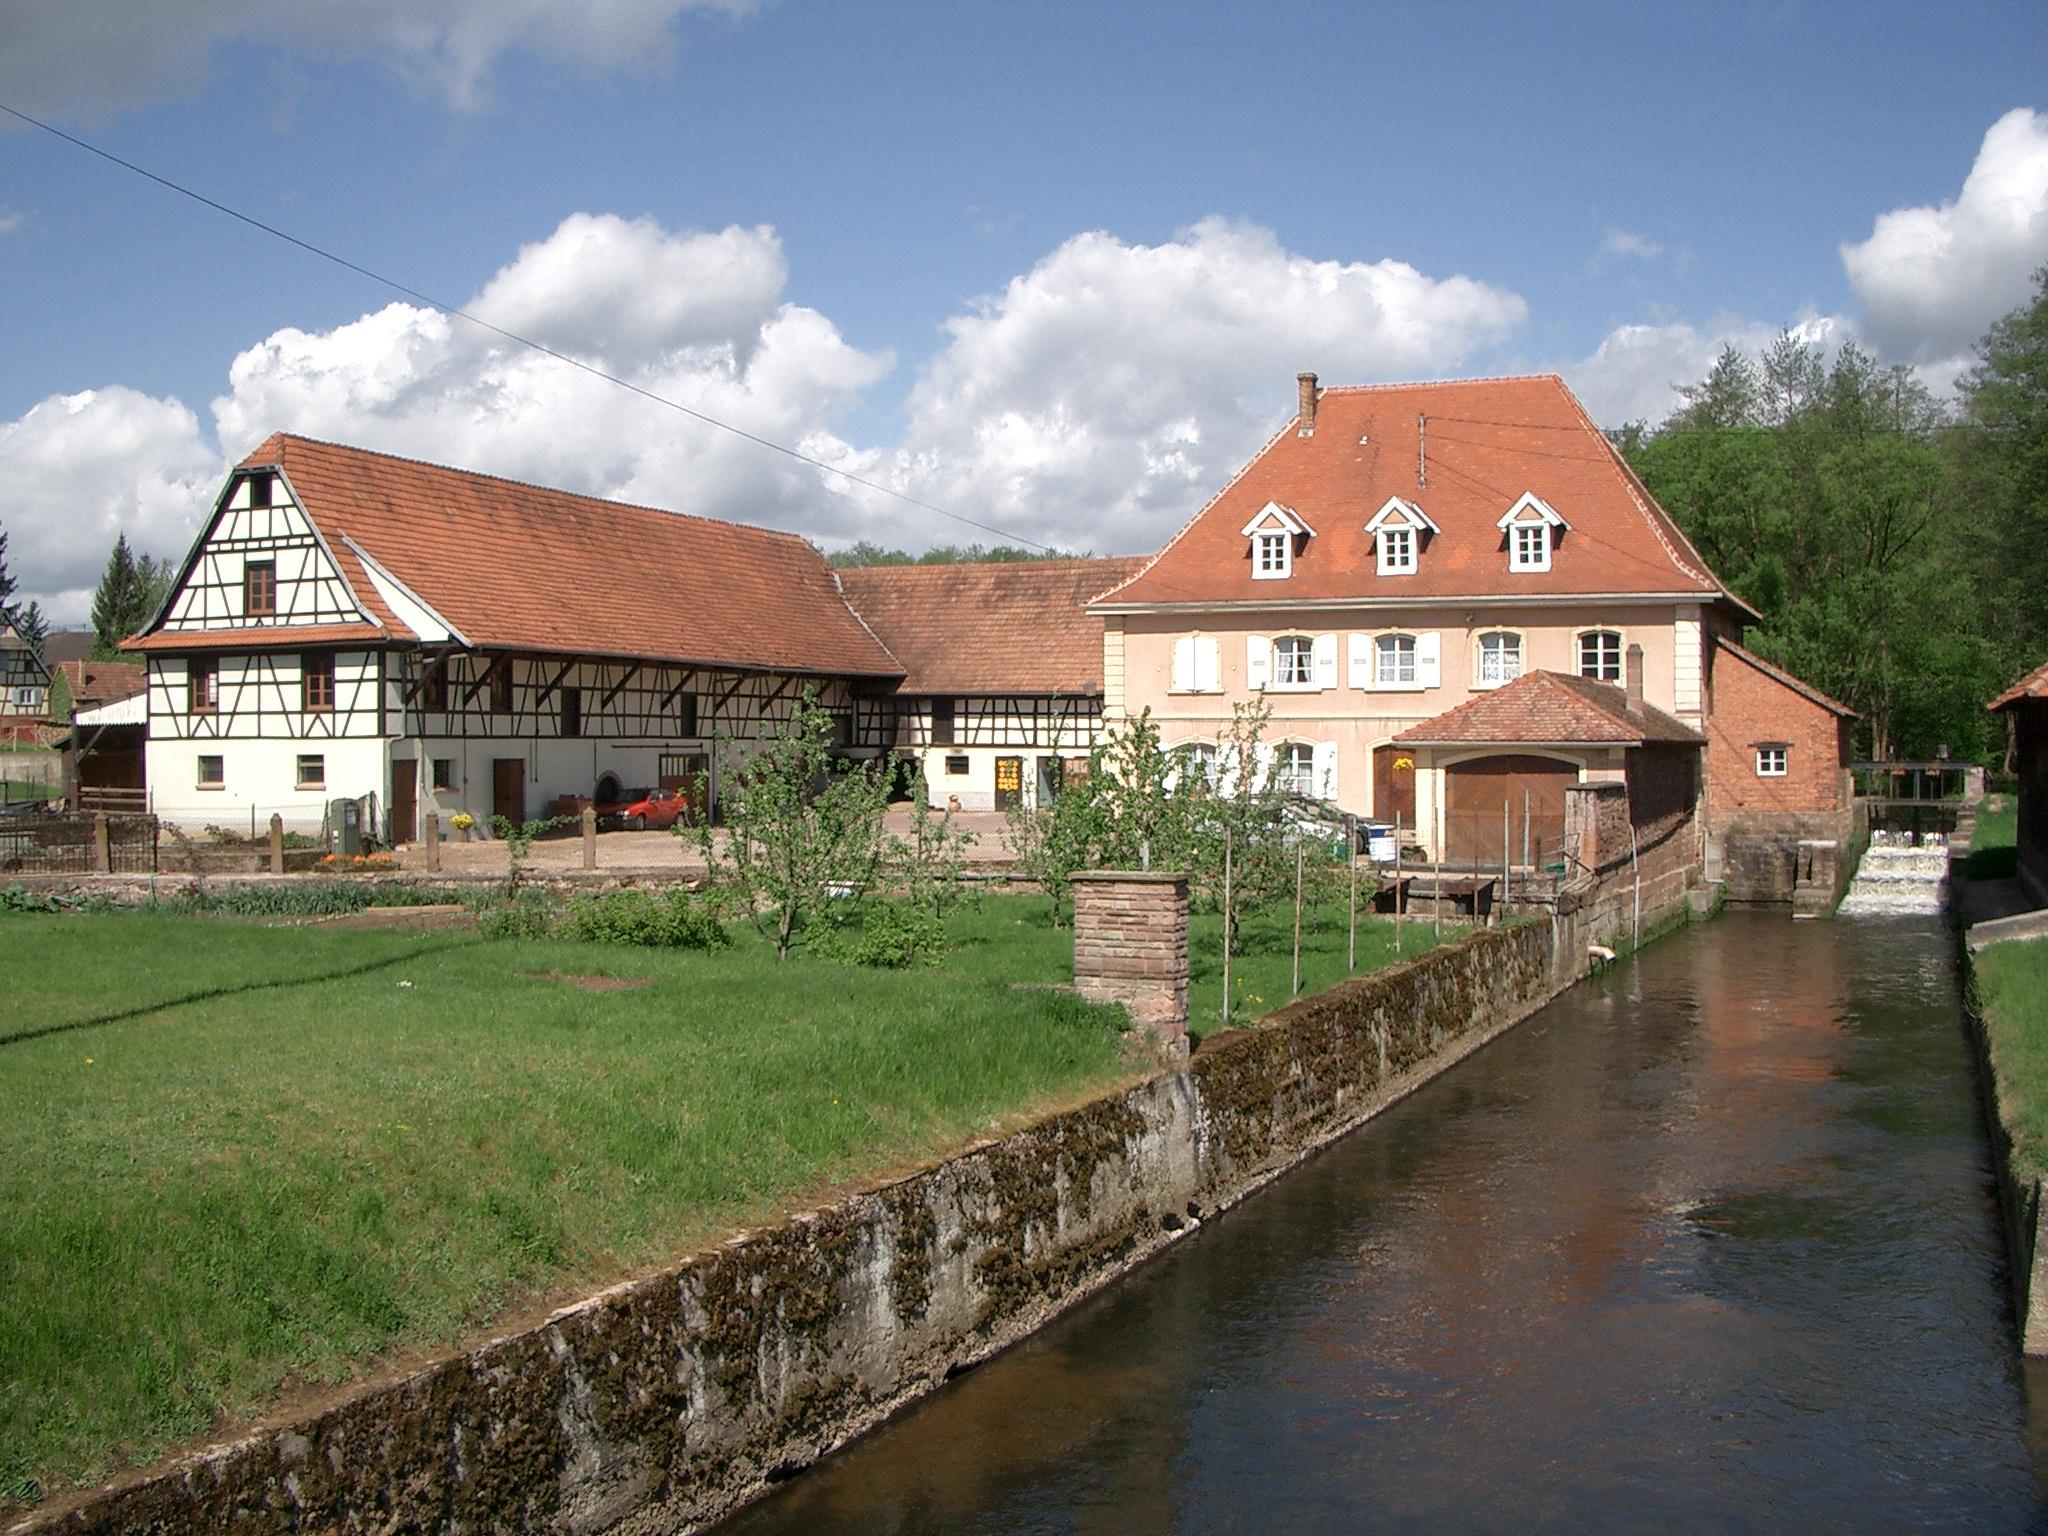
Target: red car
[{"x": 638, "y": 809}]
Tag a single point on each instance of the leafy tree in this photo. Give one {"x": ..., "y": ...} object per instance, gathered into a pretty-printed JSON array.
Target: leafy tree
[
  {"x": 801, "y": 828},
  {"x": 2003, "y": 465},
  {"x": 866, "y": 553},
  {"x": 929, "y": 862}
]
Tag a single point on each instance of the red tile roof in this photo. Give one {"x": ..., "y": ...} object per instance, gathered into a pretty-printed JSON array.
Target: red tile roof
[
  {"x": 1550, "y": 708},
  {"x": 1014, "y": 627},
  {"x": 2033, "y": 686},
  {"x": 1779, "y": 674},
  {"x": 102, "y": 682},
  {"x": 1482, "y": 443},
  {"x": 521, "y": 567},
  {"x": 265, "y": 637}
]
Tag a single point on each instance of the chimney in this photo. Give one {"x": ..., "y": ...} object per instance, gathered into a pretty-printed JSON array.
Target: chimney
[
  {"x": 1306, "y": 422},
  {"x": 1633, "y": 674}
]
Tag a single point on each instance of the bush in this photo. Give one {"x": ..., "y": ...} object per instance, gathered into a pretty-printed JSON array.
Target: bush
[
  {"x": 311, "y": 898},
  {"x": 529, "y": 915},
  {"x": 667, "y": 921},
  {"x": 19, "y": 898},
  {"x": 895, "y": 936}
]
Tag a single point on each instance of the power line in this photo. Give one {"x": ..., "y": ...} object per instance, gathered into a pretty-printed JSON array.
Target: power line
[{"x": 456, "y": 313}]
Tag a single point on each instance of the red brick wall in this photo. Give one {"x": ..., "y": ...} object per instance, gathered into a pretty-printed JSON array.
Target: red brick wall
[
  {"x": 1750, "y": 707},
  {"x": 1131, "y": 946}
]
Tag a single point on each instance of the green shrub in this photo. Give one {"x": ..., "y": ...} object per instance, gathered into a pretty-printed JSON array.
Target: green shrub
[
  {"x": 895, "y": 935},
  {"x": 315, "y": 897},
  {"x": 19, "y": 898},
  {"x": 529, "y": 915},
  {"x": 667, "y": 921}
]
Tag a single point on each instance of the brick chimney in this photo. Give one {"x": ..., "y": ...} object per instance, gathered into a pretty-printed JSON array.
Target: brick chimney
[
  {"x": 1632, "y": 674},
  {"x": 1306, "y": 420}
]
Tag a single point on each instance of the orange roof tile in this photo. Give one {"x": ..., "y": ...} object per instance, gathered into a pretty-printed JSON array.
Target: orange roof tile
[
  {"x": 1011, "y": 627},
  {"x": 1779, "y": 674},
  {"x": 521, "y": 567},
  {"x": 102, "y": 682},
  {"x": 2033, "y": 686},
  {"x": 262, "y": 637},
  {"x": 1551, "y": 708},
  {"x": 1464, "y": 451}
]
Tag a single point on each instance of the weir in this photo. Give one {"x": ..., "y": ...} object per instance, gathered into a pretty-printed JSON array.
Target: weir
[
  {"x": 1900, "y": 873},
  {"x": 1707, "y": 1242}
]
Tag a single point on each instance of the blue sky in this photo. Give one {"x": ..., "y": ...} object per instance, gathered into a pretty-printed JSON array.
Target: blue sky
[{"x": 1052, "y": 266}]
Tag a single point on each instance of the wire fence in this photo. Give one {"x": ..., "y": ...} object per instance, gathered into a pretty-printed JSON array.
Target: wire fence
[{"x": 42, "y": 842}]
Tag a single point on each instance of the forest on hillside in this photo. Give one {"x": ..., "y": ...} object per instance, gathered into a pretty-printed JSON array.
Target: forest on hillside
[{"x": 1894, "y": 544}]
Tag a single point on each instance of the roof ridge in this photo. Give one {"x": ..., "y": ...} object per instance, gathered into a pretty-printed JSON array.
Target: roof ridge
[
  {"x": 528, "y": 485},
  {"x": 1394, "y": 384}
]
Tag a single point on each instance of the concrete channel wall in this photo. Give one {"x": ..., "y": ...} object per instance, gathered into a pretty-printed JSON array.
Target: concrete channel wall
[{"x": 663, "y": 1403}]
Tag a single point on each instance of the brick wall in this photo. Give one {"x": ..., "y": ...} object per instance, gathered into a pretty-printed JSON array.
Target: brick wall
[
  {"x": 1131, "y": 946},
  {"x": 1751, "y": 707}
]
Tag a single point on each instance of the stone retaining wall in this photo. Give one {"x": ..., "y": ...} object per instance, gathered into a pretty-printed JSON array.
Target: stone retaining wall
[{"x": 667, "y": 1401}]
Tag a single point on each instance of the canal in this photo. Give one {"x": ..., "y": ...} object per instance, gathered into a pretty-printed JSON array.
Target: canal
[{"x": 1708, "y": 1244}]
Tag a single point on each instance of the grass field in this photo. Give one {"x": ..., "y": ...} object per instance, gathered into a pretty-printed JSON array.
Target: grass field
[
  {"x": 1993, "y": 852},
  {"x": 235, "y": 1158},
  {"x": 2012, "y": 990}
]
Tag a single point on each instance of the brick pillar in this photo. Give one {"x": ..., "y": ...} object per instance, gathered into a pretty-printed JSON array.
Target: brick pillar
[{"x": 1131, "y": 947}]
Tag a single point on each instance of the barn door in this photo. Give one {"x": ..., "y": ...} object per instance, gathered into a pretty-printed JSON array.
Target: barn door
[
  {"x": 1515, "y": 797},
  {"x": 405, "y": 800},
  {"x": 508, "y": 788},
  {"x": 1009, "y": 782}
]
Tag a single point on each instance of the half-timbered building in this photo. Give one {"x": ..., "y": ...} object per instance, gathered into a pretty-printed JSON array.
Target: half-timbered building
[
  {"x": 24, "y": 685},
  {"x": 1003, "y": 693},
  {"x": 353, "y": 625},
  {"x": 1396, "y": 552}
]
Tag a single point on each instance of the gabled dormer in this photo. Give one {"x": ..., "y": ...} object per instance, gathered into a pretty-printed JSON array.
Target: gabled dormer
[
  {"x": 1531, "y": 529},
  {"x": 1276, "y": 533},
  {"x": 1399, "y": 531}
]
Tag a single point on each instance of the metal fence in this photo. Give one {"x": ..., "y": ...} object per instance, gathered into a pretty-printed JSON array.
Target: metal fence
[{"x": 41, "y": 842}]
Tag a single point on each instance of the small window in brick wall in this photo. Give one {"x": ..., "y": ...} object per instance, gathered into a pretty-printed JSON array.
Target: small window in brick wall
[{"x": 1771, "y": 761}]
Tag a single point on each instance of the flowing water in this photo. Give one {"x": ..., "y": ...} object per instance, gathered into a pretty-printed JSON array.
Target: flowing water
[{"x": 1708, "y": 1245}]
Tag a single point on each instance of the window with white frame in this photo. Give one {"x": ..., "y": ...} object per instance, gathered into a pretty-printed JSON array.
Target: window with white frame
[
  {"x": 1294, "y": 664},
  {"x": 1394, "y": 661},
  {"x": 1296, "y": 766},
  {"x": 1272, "y": 554},
  {"x": 1771, "y": 760},
  {"x": 1397, "y": 551},
  {"x": 1500, "y": 657},
  {"x": 1600, "y": 655},
  {"x": 1529, "y": 547},
  {"x": 1198, "y": 760}
]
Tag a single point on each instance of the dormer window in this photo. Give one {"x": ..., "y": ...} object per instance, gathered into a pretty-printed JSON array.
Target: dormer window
[
  {"x": 1274, "y": 535},
  {"x": 1532, "y": 527},
  {"x": 1271, "y": 555},
  {"x": 1398, "y": 530}
]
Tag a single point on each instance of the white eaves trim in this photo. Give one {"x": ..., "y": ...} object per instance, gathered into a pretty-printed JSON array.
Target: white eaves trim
[
  {"x": 414, "y": 611},
  {"x": 1272, "y": 516},
  {"x": 133, "y": 710},
  {"x": 1401, "y": 514},
  {"x": 1532, "y": 509}
]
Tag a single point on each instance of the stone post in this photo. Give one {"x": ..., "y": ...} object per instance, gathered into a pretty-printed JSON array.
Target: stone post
[
  {"x": 433, "y": 835},
  {"x": 102, "y": 847},
  {"x": 590, "y": 837},
  {"x": 1131, "y": 947},
  {"x": 276, "y": 843}
]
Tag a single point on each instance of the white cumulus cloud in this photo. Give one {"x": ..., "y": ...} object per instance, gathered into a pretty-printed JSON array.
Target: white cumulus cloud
[
  {"x": 79, "y": 469},
  {"x": 1627, "y": 245},
  {"x": 1931, "y": 280},
  {"x": 1639, "y": 372},
  {"x": 106, "y": 55},
  {"x": 1100, "y": 396}
]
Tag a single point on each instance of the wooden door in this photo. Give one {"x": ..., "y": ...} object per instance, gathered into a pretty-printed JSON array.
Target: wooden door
[
  {"x": 1531, "y": 792},
  {"x": 508, "y": 788},
  {"x": 405, "y": 800},
  {"x": 1009, "y": 782},
  {"x": 1393, "y": 786}
]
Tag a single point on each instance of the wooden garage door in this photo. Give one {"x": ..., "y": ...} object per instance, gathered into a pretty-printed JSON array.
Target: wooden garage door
[{"x": 1532, "y": 791}]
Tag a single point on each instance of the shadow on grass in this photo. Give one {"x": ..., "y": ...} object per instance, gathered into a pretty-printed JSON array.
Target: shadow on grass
[
  {"x": 278, "y": 984},
  {"x": 1996, "y": 863}
]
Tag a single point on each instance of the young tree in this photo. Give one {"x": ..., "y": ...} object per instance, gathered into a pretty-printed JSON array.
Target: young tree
[
  {"x": 115, "y": 602},
  {"x": 931, "y": 860},
  {"x": 801, "y": 828}
]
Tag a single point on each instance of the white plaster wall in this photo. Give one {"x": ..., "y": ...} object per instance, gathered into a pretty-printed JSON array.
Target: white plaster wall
[{"x": 260, "y": 777}]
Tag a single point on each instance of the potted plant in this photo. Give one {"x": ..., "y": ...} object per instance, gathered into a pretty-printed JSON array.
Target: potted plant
[{"x": 462, "y": 821}]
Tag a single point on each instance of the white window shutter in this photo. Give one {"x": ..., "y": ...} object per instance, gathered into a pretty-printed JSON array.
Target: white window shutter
[
  {"x": 1325, "y": 764},
  {"x": 1208, "y": 664},
  {"x": 1429, "y": 659},
  {"x": 1258, "y": 662},
  {"x": 1324, "y": 654},
  {"x": 1184, "y": 664},
  {"x": 1361, "y": 661}
]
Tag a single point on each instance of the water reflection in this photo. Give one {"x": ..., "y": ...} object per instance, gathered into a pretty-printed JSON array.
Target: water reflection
[{"x": 1708, "y": 1244}]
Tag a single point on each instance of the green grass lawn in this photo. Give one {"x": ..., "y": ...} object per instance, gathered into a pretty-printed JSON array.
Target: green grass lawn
[
  {"x": 2012, "y": 991},
  {"x": 1993, "y": 852},
  {"x": 237, "y": 1157}
]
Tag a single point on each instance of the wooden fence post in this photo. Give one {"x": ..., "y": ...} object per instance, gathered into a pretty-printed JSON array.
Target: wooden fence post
[
  {"x": 590, "y": 837},
  {"x": 102, "y": 848},
  {"x": 433, "y": 825},
  {"x": 276, "y": 843}
]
